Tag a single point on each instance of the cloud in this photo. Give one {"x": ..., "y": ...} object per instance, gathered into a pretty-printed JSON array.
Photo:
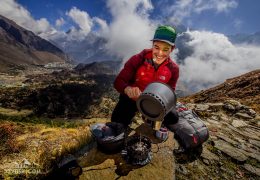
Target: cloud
[
  {"x": 84, "y": 25},
  {"x": 59, "y": 22},
  {"x": 214, "y": 59},
  {"x": 130, "y": 30},
  {"x": 219, "y": 6},
  {"x": 14, "y": 11},
  {"x": 82, "y": 19},
  {"x": 182, "y": 9},
  {"x": 103, "y": 26}
]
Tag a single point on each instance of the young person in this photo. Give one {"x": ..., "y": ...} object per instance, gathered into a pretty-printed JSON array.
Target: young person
[{"x": 148, "y": 66}]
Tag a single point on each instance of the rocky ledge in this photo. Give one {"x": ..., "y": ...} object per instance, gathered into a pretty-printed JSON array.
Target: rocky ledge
[{"x": 232, "y": 150}]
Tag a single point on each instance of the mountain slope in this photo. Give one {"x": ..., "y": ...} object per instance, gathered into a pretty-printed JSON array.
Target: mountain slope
[
  {"x": 20, "y": 47},
  {"x": 91, "y": 48},
  {"x": 245, "y": 88},
  {"x": 104, "y": 67}
]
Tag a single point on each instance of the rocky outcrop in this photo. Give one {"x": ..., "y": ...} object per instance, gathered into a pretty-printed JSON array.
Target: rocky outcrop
[
  {"x": 233, "y": 147},
  {"x": 244, "y": 88},
  {"x": 232, "y": 151}
]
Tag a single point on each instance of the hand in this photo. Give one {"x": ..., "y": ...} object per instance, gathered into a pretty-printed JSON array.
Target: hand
[{"x": 132, "y": 92}]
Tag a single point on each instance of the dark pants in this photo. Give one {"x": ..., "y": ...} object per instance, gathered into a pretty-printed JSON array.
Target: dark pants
[{"x": 126, "y": 109}]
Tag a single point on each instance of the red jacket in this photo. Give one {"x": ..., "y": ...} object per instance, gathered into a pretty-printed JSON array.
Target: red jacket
[{"x": 139, "y": 71}]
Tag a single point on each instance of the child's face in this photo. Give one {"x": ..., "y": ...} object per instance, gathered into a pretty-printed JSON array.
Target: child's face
[{"x": 161, "y": 51}]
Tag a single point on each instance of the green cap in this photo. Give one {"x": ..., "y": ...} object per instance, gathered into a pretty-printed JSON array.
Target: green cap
[{"x": 166, "y": 34}]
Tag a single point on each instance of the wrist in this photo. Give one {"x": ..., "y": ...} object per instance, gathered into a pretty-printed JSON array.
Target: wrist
[{"x": 126, "y": 90}]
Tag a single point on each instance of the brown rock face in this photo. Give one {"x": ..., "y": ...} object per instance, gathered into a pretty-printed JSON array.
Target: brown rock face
[
  {"x": 245, "y": 88},
  {"x": 20, "y": 47}
]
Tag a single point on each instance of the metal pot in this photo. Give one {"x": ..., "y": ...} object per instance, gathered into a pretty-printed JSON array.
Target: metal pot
[{"x": 156, "y": 101}]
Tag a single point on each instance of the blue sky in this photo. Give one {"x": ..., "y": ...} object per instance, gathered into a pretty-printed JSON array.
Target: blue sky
[
  {"x": 53, "y": 10},
  {"x": 241, "y": 17}
]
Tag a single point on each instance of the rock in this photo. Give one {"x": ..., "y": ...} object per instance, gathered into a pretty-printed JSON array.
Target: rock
[
  {"x": 229, "y": 107},
  {"x": 252, "y": 169},
  {"x": 256, "y": 121},
  {"x": 215, "y": 118},
  {"x": 243, "y": 133},
  {"x": 214, "y": 138},
  {"x": 216, "y": 123},
  {"x": 224, "y": 118},
  {"x": 255, "y": 156},
  {"x": 243, "y": 115},
  {"x": 239, "y": 139},
  {"x": 230, "y": 151},
  {"x": 215, "y": 106},
  {"x": 227, "y": 139},
  {"x": 254, "y": 142},
  {"x": 244, "y": 146},
  {"x": 257, "y": 118},
  {"x": 251, "y": 112},
  {"x": 238, "y": 123},
  {"x": 191, "y": 106},
  {"x": 201, "y": 107},
  {"x": 206, "y": 154},
  {"x": 237, "y": 105},
  {"x": 252, "y": 131}
]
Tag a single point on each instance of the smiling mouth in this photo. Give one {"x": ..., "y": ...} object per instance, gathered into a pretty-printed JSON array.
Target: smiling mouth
[{"x": 159, "y": 57}]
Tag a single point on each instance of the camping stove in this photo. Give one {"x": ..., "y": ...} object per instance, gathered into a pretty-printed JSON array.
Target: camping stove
[{"x": 138, "y": 150}]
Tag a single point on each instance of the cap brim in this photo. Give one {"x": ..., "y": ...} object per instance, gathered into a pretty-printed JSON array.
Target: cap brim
[{"x": 172, "y": 44}]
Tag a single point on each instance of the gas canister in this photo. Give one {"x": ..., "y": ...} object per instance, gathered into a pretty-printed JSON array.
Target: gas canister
[{"x": 162, "y": 133}]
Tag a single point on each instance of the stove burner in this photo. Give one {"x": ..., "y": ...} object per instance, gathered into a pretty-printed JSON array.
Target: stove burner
[{"x": 138, "y": 150}]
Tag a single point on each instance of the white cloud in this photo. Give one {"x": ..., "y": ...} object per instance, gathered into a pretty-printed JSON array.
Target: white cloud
[
  {"x": 219, "y": 6},
  {"x": 185, "y": 8},
  {"x": 82, "y": 19},
  {"x": 103, "y": 26},
  {"x": 85, "y": 24},
  {"x": 14, "y": 11},
  {"x": 215, "y": 59},
  {"x": 59, "y": 22},
  {"x": 130, "y": 30}
]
